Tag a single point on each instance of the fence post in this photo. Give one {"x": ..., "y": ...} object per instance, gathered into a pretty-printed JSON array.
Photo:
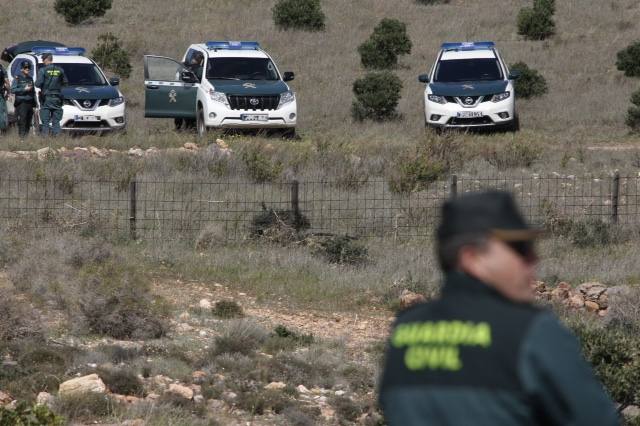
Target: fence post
[
  {"x": 453, "y": 186},
  {"x": 132, "y": 209},
  {"x": 295, "y": 204},
  {"x": 615, "y": 195}
]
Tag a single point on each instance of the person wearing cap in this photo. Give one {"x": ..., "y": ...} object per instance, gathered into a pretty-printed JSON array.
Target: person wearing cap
[
  {"x": 50, "y": 81},
  {"x": 25, "y": 99},
  {"x": 4, "y": 95},
  {"x": 483, "y": 354}
]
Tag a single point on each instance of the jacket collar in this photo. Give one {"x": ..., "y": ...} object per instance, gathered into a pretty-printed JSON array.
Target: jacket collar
[{"x": 457, "y": 283}]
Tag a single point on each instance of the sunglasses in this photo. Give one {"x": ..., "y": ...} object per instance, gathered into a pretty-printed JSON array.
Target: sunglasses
[{"x": 525, "y": 249}]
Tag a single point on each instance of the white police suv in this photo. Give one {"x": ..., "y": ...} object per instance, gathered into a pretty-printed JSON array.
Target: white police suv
[
  {"x": 92, "y": 103},
  {"x": 221, "y": 84},
  {"x": 470, "y": 86}
]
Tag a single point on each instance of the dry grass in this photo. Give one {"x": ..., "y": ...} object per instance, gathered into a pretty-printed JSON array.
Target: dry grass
[{"x": 586, "y": 100}]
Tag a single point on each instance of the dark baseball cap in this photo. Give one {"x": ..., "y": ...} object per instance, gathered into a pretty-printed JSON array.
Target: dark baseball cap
[{"x": 491, "y": 213}]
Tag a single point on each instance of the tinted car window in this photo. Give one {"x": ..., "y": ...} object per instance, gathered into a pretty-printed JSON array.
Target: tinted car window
[
  {"x": 16, "y": 65},
  {"x": 83, "y": 74},
  {"x": 241, "y": 69},
  {"x": 459, "y": 70}
]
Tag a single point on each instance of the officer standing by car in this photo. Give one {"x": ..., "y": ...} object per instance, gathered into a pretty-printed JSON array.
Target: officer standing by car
[
  {"x": 50, "y": 81},
  {"x": 25, "y": 99},
  {"x": 4, "y": 94},
  {"x": 483, "y": 354}
]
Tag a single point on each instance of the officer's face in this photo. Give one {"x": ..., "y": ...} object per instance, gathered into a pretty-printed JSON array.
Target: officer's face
[{"x": 500, "y": 266}]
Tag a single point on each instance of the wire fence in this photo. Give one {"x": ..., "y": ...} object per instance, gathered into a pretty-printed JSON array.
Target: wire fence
[{"x": 154, "y": 209}]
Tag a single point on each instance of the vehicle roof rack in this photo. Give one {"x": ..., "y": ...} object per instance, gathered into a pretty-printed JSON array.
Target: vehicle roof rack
[
  {"x": 63, "y": 51},
  {"x": 469, "y": 45},
  {"x": 232, "y": 45}
]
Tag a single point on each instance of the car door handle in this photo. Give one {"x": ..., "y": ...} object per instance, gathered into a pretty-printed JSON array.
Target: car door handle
[{"x": 152, "y": 86}]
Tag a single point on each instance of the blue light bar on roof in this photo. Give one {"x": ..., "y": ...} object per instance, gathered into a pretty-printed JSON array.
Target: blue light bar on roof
[
  {"x": 64, "y": 51},
  {"x": 476, "y": 45},
  {"x": 233, "y": 45}
]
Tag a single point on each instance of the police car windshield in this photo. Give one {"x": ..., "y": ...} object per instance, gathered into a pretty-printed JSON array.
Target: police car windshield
[
  {"x": 461, "y": 70},
  {"x": 83, "y": 74},
  {"x": 241, "y": 69}
]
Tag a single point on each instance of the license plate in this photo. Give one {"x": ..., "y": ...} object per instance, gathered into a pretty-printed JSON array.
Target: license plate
[
  {"x": 254, "y": 117},
  {"x": 87, "y": 118},
  {"x": 469, "y": 114}
]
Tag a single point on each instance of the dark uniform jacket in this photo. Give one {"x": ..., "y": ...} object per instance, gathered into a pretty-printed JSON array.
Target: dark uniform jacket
[
  {"x": 18, "y": 88},
  {"x": 51, "y": 79},
  {"x": 475, "y": 358}
]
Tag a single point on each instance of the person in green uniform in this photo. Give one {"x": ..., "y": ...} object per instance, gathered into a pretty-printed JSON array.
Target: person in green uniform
[
  {"x": 4, "y": 94},
  {"x": 482, "y": 354},
  {"x": 51, "y": 79},
  {"x": 25, "y": 99}
]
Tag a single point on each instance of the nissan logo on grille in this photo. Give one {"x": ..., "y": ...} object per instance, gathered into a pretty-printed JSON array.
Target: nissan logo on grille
[
  {"x": 468, "y": 100},
  {"x": 87, "y": 103},
  {"x": 254, "y": 101}
]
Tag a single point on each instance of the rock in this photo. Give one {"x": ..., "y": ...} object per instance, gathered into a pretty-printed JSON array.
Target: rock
[
  {"x": 82, "y": 385},
  {"x": 275, "y": 385},
  {"x": 191, "y": 146},
  {"x": 222, "y": 144},
  {"x": 229, "y": 396},
  {"x": 135, "y": 152},
  {"x": 180, "y": 391},
  {"x": 152, "y": 396},
  {"x": 46, "y": 399},
  {"x": 204, "y": 304},
  {"x": 576, "y": 301},
  {"x": 302, "y": 389},
  {"x": 603, "y": 301},
  {"x": 539, "y": 286},
  {"x": 631, "y": 411},
  {"x": 5, "y": 398},
  {"x": 183, "y": 327},
  {"x": 202, "y": 333},
  {"x": 184, "y": 316},
  {"x": 339, "y": 393},
  {"x": 8, "y": 155},
  {"x": 591, "y": 306},
  {"x": 127, "y": 399},
  {"x": 134, "y": 422},
  {"x": 327, "y": 412},
  {"x": 198, "y": 399},
  {"x": 100, "y": 153},
  {"x": 215, "y": 404},
  {"x": 409, "y": 298},
  {"x": 198, "y": 376},
  {"x": 370, "y": 419},
  {"x": 603, "y": 313},
  {"x": 560, "y": 293},
  {"x": 592, "y": 290}
]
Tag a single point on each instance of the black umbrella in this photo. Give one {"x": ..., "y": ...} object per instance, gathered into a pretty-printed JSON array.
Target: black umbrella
[{"x": 27, "y": 46}]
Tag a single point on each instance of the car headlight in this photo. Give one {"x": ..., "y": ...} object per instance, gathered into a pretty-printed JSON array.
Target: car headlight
[
  {"x": 286, "y": 97},
  {"x": 219, "y": 97},
  {"x": 116, "y": 101},
  {"x": 500, "y": 96},
  {"x": 437, "y": 99}
]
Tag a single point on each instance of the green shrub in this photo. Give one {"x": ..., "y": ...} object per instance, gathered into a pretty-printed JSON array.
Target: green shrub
[
  {"x": 25, "y": 415},
  {"x": 278, "y": 225},
  {"x": 591, "y": 232},
  {"x": 633, "y": 114},
  {"x": 537, "y": 23},
  {"x": 111, "y": 55},
  {"x": 123, "y": 381},
  {"x": 18, "y": 319},
  {"x": 343, "y": 250},
  {"x": 377, "y": 95},
  {"x": 388, "y": 40},
  {"x": 78, "y": 11},
  {"x": 346, "y": 409},
  {"x": 512, "y": 155},
  {"x": 116, "y": 301},
  {"x": 613, "y": 353},
  {"x": 86, "y": 407},
  {"x": 299, "y": 14},
  {"x": 259, "y": 166},
  {"x": 414, "y": 172},
  {"x": 227, "y": 309},
  {"x": 531, "y": 83},
  {"x": 239, "y": 336},
  {"x": 283, "y": 339},
  {"x": 258, "y": 401},
  {"x": 629, "y": 60}
]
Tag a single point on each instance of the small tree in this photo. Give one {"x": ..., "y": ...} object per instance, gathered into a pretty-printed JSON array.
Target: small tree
[
  {"x": 629, "y": 60},
  {"x": 536, "y": 23},
  {"x": 633, "y": 115},
  {"x": 531, "y": 83},
  {"x": 110, "y": 54},
  {"x": 377, "y": 95},
  {"x": 388, "y": 40},
  {"x": 78, "y": 11},
  {"x": 299, "y": 14}
]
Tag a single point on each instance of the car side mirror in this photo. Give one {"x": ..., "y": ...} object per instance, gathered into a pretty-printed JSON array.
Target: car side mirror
[
  {"x": 514, "y": 75},
  {"x": 188, "y": 77},
  {"x": 114, "y": 81},
  {"x": 288, "y": 76},
  {"x": 423, "y": 78}
]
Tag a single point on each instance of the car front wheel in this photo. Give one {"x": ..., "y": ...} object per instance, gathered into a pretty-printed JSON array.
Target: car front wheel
[{"x": 200, "y": 124}]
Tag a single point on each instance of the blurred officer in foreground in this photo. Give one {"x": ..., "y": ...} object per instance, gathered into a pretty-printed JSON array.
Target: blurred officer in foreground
[
  {"x": 50, "y": 80},
  {"x": 483, "y": 354},
  {"x": 4, "y": 94},
  {"x": 25, "y": 98}
]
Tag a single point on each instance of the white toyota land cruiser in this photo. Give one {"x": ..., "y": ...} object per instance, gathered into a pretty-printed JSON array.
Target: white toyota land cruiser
[
  {"x": 470, "y": 86},
  {"x": 221, "y": 84}
]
